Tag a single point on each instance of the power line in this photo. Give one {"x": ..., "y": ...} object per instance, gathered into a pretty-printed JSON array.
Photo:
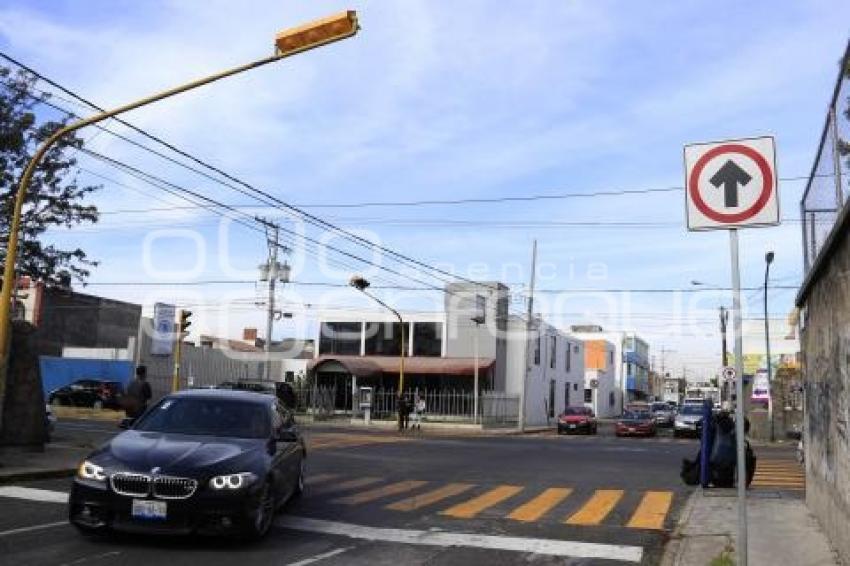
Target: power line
[{"x": 316, "y": 221}]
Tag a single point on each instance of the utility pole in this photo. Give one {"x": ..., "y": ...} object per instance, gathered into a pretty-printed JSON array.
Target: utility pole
[
  {"x": 271, "y": 271},
  {"x": 724, "y": 319},
  {"x": 528, "y": 328}
]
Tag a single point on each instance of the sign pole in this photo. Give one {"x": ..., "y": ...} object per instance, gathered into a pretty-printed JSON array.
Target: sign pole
[{"x": 741, "y": 546}]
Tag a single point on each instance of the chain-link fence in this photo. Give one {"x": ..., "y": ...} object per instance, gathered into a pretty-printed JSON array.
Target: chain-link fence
[{"x": 828, "y": 187}]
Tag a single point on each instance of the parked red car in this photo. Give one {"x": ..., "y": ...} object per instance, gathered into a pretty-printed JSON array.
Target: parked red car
[
  {"x": 636, "y": 423},
  {"x": 577, "y": 419}
]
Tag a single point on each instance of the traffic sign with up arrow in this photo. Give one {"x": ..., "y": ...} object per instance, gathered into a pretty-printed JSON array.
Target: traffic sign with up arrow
[{"x": 731, "y": 184}]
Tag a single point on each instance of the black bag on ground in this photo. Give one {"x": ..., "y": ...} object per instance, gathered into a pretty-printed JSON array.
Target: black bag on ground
[{"x": 690, "y": 470}]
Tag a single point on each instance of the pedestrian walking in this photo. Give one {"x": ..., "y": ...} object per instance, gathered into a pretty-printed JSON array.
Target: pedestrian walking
[
  {"x": 403, "y": 413},
  {"x": 418, "y": 412},
  {"x": 138, "y": 394}
]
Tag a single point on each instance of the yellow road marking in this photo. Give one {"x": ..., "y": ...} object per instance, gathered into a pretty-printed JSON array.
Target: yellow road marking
[
  {"x": 419, "y": 501},
  {"x": 597, "y": 507},
  {"x": 474, "y": 506},
  {"x": 350, "y": 484},
  {"x": 652, "y": 510},
  {"x": 379, "y": 492},
  {"x": 320, "y": 478},
  {"x": 540, "y": 505}
]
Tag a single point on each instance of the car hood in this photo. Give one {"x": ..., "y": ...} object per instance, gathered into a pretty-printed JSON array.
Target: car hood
[
  {"x": 689, "y": 418},
  {"x": 634, "y": 422},
  {"x": 574, "y": 418},
  {"x": 180, "y": 453}
]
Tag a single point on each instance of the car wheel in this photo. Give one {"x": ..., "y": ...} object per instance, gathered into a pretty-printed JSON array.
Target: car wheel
[
  {"x": 560, "y": 432},
  {"x": 299, "y": 483},
  {"x": 261, "y": 522},
  {"x": 676, "y": 434},
  {"x": 97, "y": 405}
]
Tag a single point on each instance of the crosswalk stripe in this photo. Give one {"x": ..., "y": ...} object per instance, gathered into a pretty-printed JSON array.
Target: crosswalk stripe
[
  {"x": 320, "y": 478},
  {"x": 379, "y": 492},
  {"x": 431, "y": 497},
  {"x": 652, "y": 510},
  {"x": 597, "y": 507},
  {"x": 540, "y": 505},
  {"x": 474, "y": 506},
  {"x": 346, "y": 485}
]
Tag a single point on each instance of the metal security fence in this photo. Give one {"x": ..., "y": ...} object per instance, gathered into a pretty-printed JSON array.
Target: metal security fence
[
  {"x": 444, "y": 405},
  {"x": 828, "y": 187}
]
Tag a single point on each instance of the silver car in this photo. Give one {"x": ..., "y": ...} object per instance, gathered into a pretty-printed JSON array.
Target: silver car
[{"x": 689, "y": 421}]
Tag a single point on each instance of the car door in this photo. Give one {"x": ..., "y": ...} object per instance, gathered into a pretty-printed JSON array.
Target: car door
[{"x": 287, "y": 456}]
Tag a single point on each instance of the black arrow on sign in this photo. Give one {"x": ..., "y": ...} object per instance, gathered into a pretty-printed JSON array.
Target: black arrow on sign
[{"x": 730, "y": 176}]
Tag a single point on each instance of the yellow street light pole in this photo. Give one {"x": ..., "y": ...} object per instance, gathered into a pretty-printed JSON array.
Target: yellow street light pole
[
  {"x": 361, "y": 285},
  {"x": 287, "y": 43}
]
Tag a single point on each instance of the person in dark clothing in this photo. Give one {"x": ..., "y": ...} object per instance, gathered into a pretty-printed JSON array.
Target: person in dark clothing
[
  {"x": 403, "y": 413},
  {"x": 138, "y": 394}
]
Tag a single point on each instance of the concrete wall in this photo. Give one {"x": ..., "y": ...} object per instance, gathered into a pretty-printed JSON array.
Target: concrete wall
[
  {"x": 826, "y": 374},
  {"x": 70, "y": 319},
  {"x": 460, "y": 335}
]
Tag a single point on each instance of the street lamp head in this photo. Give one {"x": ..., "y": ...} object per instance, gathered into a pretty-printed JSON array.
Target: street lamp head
[
  {"x": 768, "y": 257},
  {"x": 316, "y": 33},
  {"x": 358, "y": 282}
]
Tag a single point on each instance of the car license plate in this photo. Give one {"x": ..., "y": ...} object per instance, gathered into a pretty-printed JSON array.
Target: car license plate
[
  {"x": 146, "y": 509},
  {"x": 631, "y": 429},
  {"x": 572, "y": 426}
]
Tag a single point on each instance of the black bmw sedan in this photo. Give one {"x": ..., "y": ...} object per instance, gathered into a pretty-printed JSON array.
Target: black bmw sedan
[{"x": 203, "y": 461}]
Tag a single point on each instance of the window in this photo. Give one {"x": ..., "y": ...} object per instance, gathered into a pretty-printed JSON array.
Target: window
[
  {"x": 537, "y": 351},
  {"x": 611, "y": 399},
  {"x": 551, "y": 398},
  {"x": 553, "y": 352},
  {"x": 569, "y": 357},
  {"x": 383, "y": 339},
  {"x": 428, "y": 339},
  {"x": 611, "y": 359},
  {"x": 289, "y": 377},
  {"x": 575, "y": 386},
  {"x": 341, "y": 338},
  {"x": 588, "y": 395}
]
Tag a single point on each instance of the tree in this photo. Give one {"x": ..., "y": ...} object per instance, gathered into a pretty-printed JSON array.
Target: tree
[{"x": 54, "y": 199}]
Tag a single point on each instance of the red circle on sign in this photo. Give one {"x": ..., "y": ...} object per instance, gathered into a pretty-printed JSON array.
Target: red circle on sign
[{"x": 764, "y": 196}]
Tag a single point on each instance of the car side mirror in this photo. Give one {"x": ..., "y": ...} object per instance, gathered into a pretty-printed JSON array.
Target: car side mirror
[{"x": 126, "y": 423}]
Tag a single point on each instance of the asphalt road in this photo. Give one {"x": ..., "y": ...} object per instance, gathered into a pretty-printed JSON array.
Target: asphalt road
[{"x": 384, "y": 499}]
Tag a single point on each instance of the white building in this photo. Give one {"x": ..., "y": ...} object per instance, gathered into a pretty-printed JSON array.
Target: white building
[
  {"x": 630, "y": 362},
  {"x": 602, "y": 392},
  {"x": 553, "y": 362}
]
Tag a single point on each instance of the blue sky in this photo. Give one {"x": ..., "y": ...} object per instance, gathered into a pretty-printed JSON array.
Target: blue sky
[{"x": 447, "y": 100}]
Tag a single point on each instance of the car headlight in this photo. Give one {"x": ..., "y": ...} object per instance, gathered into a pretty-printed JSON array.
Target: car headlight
[
  {"x": 91, "y": 471},
  {"x": 233, "y": 481}
]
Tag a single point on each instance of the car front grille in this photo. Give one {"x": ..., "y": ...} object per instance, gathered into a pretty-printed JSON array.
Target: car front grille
[
  {"x": 131, "y": 485},
  {"x": 161, "y": 487},
  {"x": 167, "y": 487}
]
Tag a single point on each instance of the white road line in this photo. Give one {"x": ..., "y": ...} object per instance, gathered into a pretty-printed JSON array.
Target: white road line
[
  {"x": 551, "y": 547},
  {"x": 32, "y": 528},
  {"x": 319, "y": 557},
  {"x": 32, "y": 494}
]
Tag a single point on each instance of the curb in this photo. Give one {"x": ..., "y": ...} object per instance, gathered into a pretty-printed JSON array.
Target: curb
[
  {"x": 673, "y": 550},
  {"x": 37, "y": 475}
]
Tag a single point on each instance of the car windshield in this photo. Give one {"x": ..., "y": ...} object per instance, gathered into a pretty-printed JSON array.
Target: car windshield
[
  {"x": 635, "y": 415},
  {"x": 574, "y": 411},
  {"x": 691, "y": 410},
  {"x": 208, "y": 417},
  {"x": 660, "y": 407}
]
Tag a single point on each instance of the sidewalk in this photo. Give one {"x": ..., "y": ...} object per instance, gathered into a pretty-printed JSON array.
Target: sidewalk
[
  {"x": 56, "y": 461},
  {"x": 781, "y": 531}
]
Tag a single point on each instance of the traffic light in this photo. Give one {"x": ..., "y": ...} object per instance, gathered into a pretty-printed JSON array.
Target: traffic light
[{"x": 185, "y": 323}]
